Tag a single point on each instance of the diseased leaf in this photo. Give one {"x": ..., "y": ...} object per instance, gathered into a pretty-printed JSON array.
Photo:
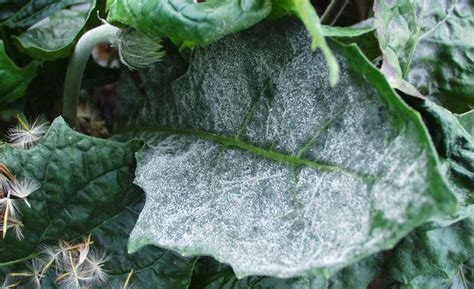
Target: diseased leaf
[
  {"x": 429, "y": 44},
  {"x": 55, "y": 36},
  {"x": 257, "y": 162},
  {"x": 153, "y": 267},
  {"x": 13, "y": 79},
  {"x": 84, "y": 182},
  {"x": 23, "y": 14},
  {"x": 188, "y": 21},
  {"x": 455, "y": 147},
  {"x": 439, "y": 258},
  {"x": 306, "y": 12}
]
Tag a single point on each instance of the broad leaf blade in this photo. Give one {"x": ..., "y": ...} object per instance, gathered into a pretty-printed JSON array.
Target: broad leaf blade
[
  {"x": 84, "y": 182},
  {"x": 429, "y": 44},
  {"x": 188, "y": 21},
  {"x": 54, "y": 37},
  {"x": 13, "y": 79},
  {"x": 255, "y": 162}
]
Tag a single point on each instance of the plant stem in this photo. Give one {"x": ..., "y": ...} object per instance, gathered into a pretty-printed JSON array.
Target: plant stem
[
  {"x": 77, "y": 64},
  {"x": 333, "y": 11}
]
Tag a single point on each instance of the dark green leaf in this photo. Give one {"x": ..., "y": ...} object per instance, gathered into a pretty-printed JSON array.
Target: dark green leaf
[
  {"x": 258, "y": 162},
  {"x": 188, "y": 21},
  {"x": 429, "y": 44},
  {"x": 439, "y": 258},
  {"x": 54, "y": 37},
  {"x": 210, "y": 274},
  {"x": 13, "y": 79},
  {"x": 84, "y": 182},
  {"x": 24, "y": 14}
]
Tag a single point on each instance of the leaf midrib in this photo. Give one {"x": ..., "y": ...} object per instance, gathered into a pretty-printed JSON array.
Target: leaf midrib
[{"x": 235, "y": 142}]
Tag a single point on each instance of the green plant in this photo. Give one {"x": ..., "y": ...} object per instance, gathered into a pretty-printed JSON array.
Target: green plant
[{"x": 275, "y": 149}]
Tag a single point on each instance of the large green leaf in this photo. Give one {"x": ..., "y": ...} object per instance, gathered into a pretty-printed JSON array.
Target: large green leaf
[
  {"x": 54, "y": 37},
  {"x": 455, "y": 146},
  {"x": 432, "y": 259},
  {"x": 188, "y": 21},
  {"x": 258, "y": 162},
  {"x": 13, "y": 79},
  {"x": 84, "y": 182},
  {"x": 430, "y": 44},
  {"x": 22, "y": 14}
]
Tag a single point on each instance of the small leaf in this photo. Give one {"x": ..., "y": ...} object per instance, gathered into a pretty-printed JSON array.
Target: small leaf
[
  {"x": 428, "y": 46},
  {"x": 255, "y": 160},
  {"x": 54, "y": 37},
  {"x": 13, "y": 79}
]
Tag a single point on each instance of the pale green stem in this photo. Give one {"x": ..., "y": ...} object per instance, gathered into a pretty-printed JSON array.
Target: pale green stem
[{"x": 77, "y": 64}]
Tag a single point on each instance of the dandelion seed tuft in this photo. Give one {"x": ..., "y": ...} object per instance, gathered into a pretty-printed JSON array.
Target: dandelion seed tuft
[
  {"x": 25, "y": 135},
  {"x": 23, "y": 188}
]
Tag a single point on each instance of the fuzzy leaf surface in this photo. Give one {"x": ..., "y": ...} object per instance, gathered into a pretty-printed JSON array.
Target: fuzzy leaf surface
[
  {"x": 304, "y": 10},
  {"x": 13, "y": 79},
  {"x": 188, "y": 21},
  {"x": 260, "y": 164},
  {"x": 54, "y": 37},
  {"x": 430, "y": 45},
  {"x": 84, "y": 182}
]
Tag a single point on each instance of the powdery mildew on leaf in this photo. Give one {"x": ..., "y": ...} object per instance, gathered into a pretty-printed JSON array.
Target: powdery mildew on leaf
[{"x": 263, "y": 166}]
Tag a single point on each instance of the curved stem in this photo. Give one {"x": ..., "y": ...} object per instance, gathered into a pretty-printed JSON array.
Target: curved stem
[
  {"x": 77, "y": 64},
  {"x": 333, "y": 11}
]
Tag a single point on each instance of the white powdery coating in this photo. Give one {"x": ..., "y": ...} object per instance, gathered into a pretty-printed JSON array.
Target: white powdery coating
[{"x": 262, "y": 216}]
